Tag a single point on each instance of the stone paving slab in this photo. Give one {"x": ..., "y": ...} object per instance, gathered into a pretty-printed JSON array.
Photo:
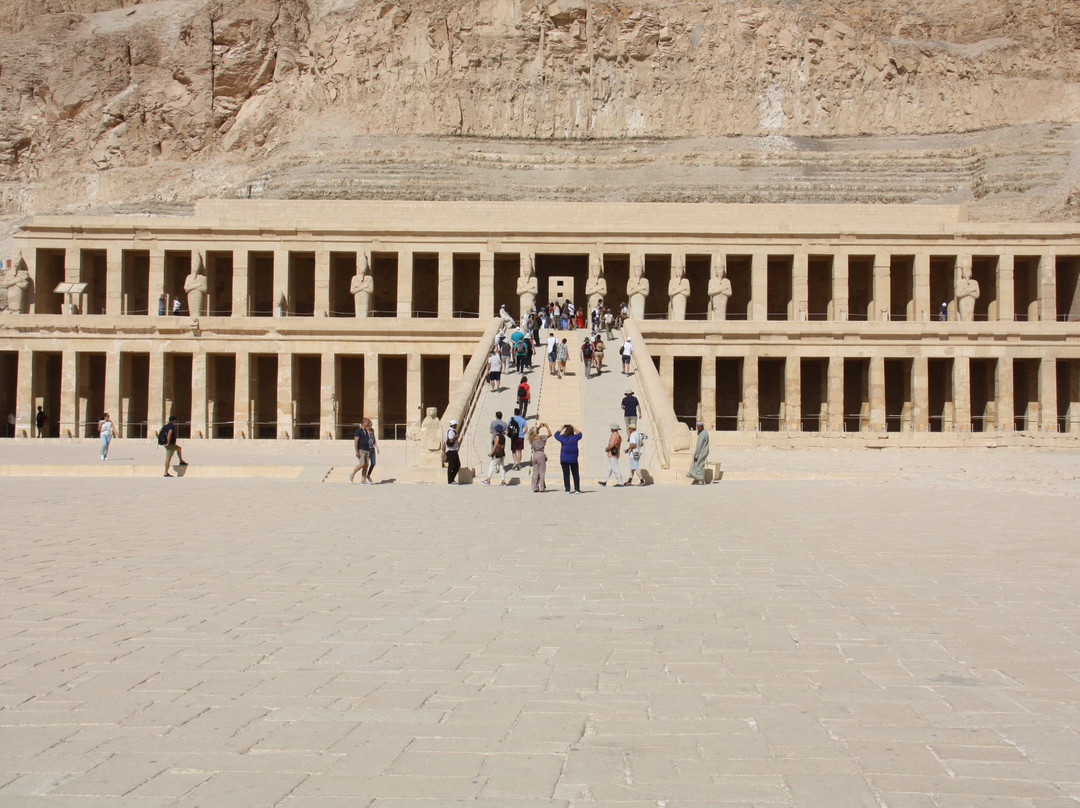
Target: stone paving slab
[{"x": 906, "y": 637}]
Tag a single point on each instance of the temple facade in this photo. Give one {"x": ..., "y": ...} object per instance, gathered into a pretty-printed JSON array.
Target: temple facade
[{"x": 292, "y": 319}]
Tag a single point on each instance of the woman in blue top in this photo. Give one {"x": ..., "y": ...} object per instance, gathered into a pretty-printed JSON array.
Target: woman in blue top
[{"x": 569, "y": 437}]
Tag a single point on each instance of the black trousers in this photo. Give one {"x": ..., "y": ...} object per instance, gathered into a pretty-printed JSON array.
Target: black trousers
[
  {"x": 567, "y": 470},
  {"x": 453, "y": 466}
]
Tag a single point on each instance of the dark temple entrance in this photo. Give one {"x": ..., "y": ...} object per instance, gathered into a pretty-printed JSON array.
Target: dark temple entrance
[{"x": 573, "y": 270}]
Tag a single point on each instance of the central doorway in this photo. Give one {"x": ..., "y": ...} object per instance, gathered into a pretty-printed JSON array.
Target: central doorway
[{"x": 562, "y": 276}]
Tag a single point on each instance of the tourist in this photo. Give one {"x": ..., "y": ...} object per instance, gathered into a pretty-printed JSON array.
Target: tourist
[
  {"x": 609, "y": 322},
  {"x": 630, "y": 406},
  {"x": 373, "y": 453},
  {"x": 562, "y": 353},
  {"x": 515, "y": 431},
  {"x": 538, "y": 438},
  {"x": 529, "y": 349},
  {"x": 105, "y": 431},
  {"x": 497, "y": 455},
  {"x": 612, "y": 450},
  {"x": 700, "y": 457},
  {"x": 176, "y": 307},
  {"x": 579, "y": 318},
  {"x": 626, "y": 351},
  {"x": 11, "y": 424},
  {"x": 362, "y": 449},
  {"x": 494, "y": 362},
  {"x": 943, "y": 312},
  {"x": 504, "y": 352},
  {"x": 452, "y": 446},
  {"x": 161, "y": 303},
  {"x": 41, "y": 421},
  {"x": 598, "y": 354},
  {"x": 569, "y": 437},
  {"x": 498, "y": 423},
  {"x": 167, "y": 438},
  {"x": 552, "y": 350},
  {"x": 521, "y": 353},
  {"x": 634, "y": 441},
  {"x": 524, "y": 394},
  {"x": 587, "y": 355}
]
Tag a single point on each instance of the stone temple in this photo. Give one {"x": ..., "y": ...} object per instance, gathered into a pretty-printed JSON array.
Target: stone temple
[{"x": 771, "y": 323}]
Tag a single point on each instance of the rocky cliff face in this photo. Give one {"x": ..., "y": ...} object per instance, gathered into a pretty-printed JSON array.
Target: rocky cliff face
[{"x": 103, "y": 101}]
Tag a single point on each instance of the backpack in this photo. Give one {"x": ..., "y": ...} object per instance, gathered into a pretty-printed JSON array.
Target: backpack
[
  {"x": 522, "y": 393},
  {"x": 512, "y": 429},
  {"x": 163, "y": 436},
  {"x": 586, "y": 350}
]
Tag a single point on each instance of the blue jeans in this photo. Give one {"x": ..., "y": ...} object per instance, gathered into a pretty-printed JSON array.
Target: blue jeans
[{"x": 105, "y": 440}]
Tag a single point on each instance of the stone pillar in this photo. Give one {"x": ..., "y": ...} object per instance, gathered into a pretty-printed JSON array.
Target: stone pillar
[
  {"x": 750, "y": 393},
  {"x": 69, "y": 393},
  {"x": 157, "y": 282},
  {"x": 487, "y": 285},
  {"x": 114, "y": 286},
  {"x": 1006, "y": 404},
  {"x": 199, "y": 406},
  {"x": 921, "y": 291},
  {"x": 155, "y": 394},
  {"x": 840, "y": 289},
  {"x": 792, "y": 421},
  {"x": 371, "y": 390},
  {"x": 457, "y": 371},
  {"x": 1006, "y": 288},
  {"x": 1047, "y": 288},
  {"x": 708, "y": 391},
  {"x": 446, "y": 284},
  {"x": 114, "y": 369},
  {"x": 404, "y": 283},
  {"x": 322, "y": 283},
  {"x": 882, "y": 293},
  {"x": 281, "y": 284},
  {"x": 240, "y": 302},
  {"x": 414, "y": 406},
  {"x": 328, "y": 396},
  {"x": 759, "y": 287},
  {"x": 25, "y": 410},
  {"x": 920, "y": 393},
  {"x": 242, "y": 401},
  {"x": 835, "y": 393},
  {"x": 877, "y": 393},
  {"x": 285, "y": 399},
  {"x": 1048, "y": 394},
  {"x": 667, "y": 374},
  {"x": 961, "y": 384},
  {"x": 1072, "y": 424},
  {"x": 800, "y": 287}
]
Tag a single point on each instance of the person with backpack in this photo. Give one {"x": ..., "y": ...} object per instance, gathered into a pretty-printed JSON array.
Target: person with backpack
[
  {"x": 524, "y": 395},
  {"x": 497, "y": 455},
  {"x": 515, "y": 431},
  {"x": 167, "y": 438},
  {"x": 587, "y": 356},
  {"x": 362, "y": 447}
]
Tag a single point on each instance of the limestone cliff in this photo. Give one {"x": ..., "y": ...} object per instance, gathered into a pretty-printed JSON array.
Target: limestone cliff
[{"x": 103, "y": 101}]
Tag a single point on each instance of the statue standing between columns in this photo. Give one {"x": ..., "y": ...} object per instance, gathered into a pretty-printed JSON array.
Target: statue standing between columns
[
  {"x": 967, "y": 291},
  {"x": 719, "y": 290},
  {"x": 362, "y": 288},
  {"x": 596, "y": 285},
  {"x": 196, "y": 285},
  {"x": 637, "y": 288},
  {"x": 527, "y": 287},
  {"x": 18, "y": 287},
  {"x": 678, "y": 290}
]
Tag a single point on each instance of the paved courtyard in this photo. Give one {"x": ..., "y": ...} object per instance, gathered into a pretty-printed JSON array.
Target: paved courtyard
[{"x": 819, "y": 629}]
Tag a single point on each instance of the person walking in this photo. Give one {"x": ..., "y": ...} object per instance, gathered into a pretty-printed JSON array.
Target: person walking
[
  {"x": 494, "y": 362},
  {"x": 105, "y": 431},
  {"x": 612, "y": 450},
  {"x": 552, "y": 351},
  {"x": 515, "y": 431},
  {"x": 452, "y": 445},
  {"x": 538, "y": 438},
  {"x": 167, "y": 438},
  {"x": 701, "y": 456},
  {"x": 524, "y": 395},
  {"x": 41, "y": 421},
  {"x": 634, "y": 440},
  {"x": 630, "y": 406},
  {"x": 373, "y": 452},
  {"x": 626, "y": 351},
  {"x": 497, "y": 455},
  {"x": 598, "y": 354},
  {"x": 569, "y": 437},
  {"x": 562, "y": 353},
  {"x": 362, "y": 449},
  {"x": 587, "y": 355}
]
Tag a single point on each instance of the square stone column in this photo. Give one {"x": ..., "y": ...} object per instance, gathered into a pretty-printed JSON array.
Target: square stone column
[
  {"x": 921, "y": 291},
  {"x": 328, "y": 396},
  {"x": 487, "y": 285},
  {"x": 1048, "y": 288},
  {"x": 800, "y": 286},
  {"x": 882, "y": 295},
  {"x": 242, "y": 399},
  {"x": 667, "y": 373},
  {"x": 961, "y": 382},
  {"x": 877, "y": 393},
  {"x": 414, "y": 412},
  {"x": 708, "y": 391},
  {"x": 281, "y": 285},
  {"x": 114, "y": 370},
  {"x": 1006, "y": 404},
  {"x": 446, "y": 284},
  {"x": 114, "y": 282},
  {"x": 404, "y": 282},
  {"x": 25, "y": 409},
  {"x": 240, "y": 303},
  {"x": 1072, "y": 423},
  {"x": 371, "y": 390},
  {"x": 1006, "y": 288},
  {"x": 834, "y": 405},
  {"x": 1048, "y": 394},
  {"x": 285, "y": 409},
  {"x": 457, "y": 369},
  {"x": 322, "y": 283},
  {"x": 69, "y": 394},
  {"x": 155, "y": 394},
  {"x": 759, "y": 287},
  {"x": 792, "y": 421},
  {"x": 840, "y": 289},
  {"x": 750, "y": 399},
  {"x": 157, "y": 281},
  {"x": 199, "y": 406}
]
